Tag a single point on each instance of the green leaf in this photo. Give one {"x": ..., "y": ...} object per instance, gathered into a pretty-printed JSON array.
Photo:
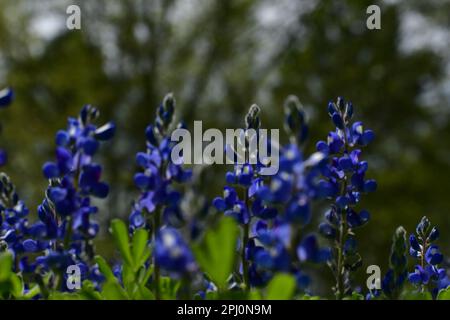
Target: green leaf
[
  {"x": 145, "y": 275},
  {"x": 129, "y": 280},
  {"x": 216, "y": 254},
  {"x": 16, "y": 285},
  {"x": 254, "y": 295},
  {"x": 113, "y": 291},
  {"x": 56, "y": 295},
  {"x": 120, "y": 234},
  {"x": 444, "y": 294},
  {"x": 308, "y": 297},
  {"x": 6, "y": 260},
  {"x": 169, "y": 288},
  {"x": 143, "y": 293},
  {"x": 104, "y": 268},
  {"x": 140, "y": 250},
  {"x": 281, "y": 287},
  {"x": 415, "y": 295},
  {"x": 32, "y": 292},
  {"x": 354, "y": 296},
  {"x": 89, "y": 292}
]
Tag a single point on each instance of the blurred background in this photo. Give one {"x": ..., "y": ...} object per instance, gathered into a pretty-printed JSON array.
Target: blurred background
[{"x": 218, "y": 57}]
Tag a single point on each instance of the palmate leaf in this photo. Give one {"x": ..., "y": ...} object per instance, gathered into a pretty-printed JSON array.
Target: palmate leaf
[
  {"x": 281, "y": 287},
  {"x": 134, "y": 273},
  {"x": 412, "y": 294},
  {"x": 354, "y": 296},
  {"x": 216, "y": 254},
  {"x": 6, "y": 261},
  {"x": 112, "y": 290},
  {"x": 134, "y": 256},
  {"x": 104, "y": 268},
  {"x": 10, "y": 283},
  {"x": 120, "y": 235},
  {"x": 140, "y": 250},
  {"x": 444, "y": 294}
]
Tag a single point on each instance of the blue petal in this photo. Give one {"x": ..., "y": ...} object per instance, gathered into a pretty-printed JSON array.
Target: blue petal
[
  {"x": 50, "y": 170},
  {"x": 367, "y": 137},
  {"x": 62, "y": 138},
  {"x": 370, "y": 186},
  {"x": 3, "y": 157},
  {"x": 142, "y": 181},
  {"x": 90, "y": 146},
  {"x": 6, "y": 97},
  {"x": 337, "y": 120},
  {"x": 415, "y": 278},
  {"x": 414, "y": 243},
  {"x": 327, "y": 230},
  {"x": 220, "y": 204},
  {"x": 57, "y": 194},
  {"x": 105, "y": 132},
  {"x": 100, "y": 190},
  {"x": 30, "y": 245},
  {"x": 150, "y": 135}
]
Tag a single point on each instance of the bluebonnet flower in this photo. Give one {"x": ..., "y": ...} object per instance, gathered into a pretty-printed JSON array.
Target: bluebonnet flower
[
  {"x": 276, "y": 207},
  {"x": 344, "y": 182},
  {"x": 428, "y": 273},
  {"x": 14, "y": 226},
  {"x": 246, "y": 176},
  {"x": 66, "y": 214},
  {"x": 289, "y": 195},
  {"x": 6, "y": 97},
  {"x": 172, "y": 254},
  {"x": 160, "y": 174},
  {"x": 160, "y": 199}
]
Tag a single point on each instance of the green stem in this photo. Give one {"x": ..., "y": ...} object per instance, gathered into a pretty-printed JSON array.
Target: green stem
[
  {"x": 68, "y": 234},
  {"x": 245, "y": 238},
  {"x": 156, "y": 226},
  {"x": 342, "y": 233},
  {"x": 422, "y": 260},
  {"x": 340, "y": 263}
]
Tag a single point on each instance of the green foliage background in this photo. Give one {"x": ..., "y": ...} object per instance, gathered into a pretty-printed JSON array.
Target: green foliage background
[{"x": 218, "y": 57}]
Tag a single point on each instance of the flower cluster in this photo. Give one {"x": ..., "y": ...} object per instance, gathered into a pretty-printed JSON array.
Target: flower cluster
[
  {"x": 394, "y": 279},
  {"x": 427, "y": 273},
  {"x": 269, "y": 224},
  {"x": 13, "y": 220},
  {"x": 275, "y": 208},
  {"x": 344, "y": 182},
  {"x": 66, "y": 223},
  {"x": 159, "y": 174},
  {"x": 158, "y": 208}
]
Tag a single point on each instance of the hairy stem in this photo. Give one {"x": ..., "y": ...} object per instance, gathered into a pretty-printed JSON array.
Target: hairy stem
[
  {"x": 245, "y": 238},
  {"x": 340, "y": 263},
  {"x": 340, "y": 290},
  {"x": 156, "y": 226}
]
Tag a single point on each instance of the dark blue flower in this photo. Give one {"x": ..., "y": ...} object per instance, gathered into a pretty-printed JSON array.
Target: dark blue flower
[
  {"x": 433, "y": 256},
  {"x": 309, "y": 250},
  {"x": 419, "y": 276},
  {"x": 160, "y": 173},
  {"x": 427, "y": 273},
  {"x": 344, "y": 182},
  {"x": 6, "y": 97},
  {"x": 171, "y": 252}
]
